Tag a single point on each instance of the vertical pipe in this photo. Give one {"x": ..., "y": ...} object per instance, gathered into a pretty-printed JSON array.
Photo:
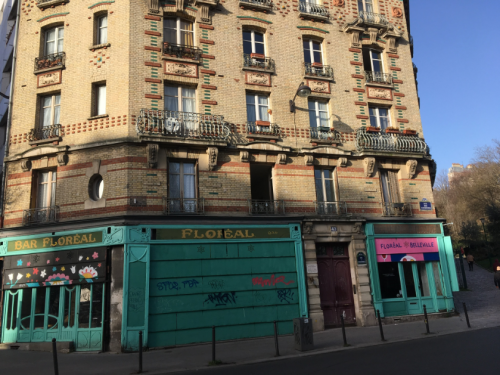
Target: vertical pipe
[
  {"x": 140, "y": 353},
  {"x": 466, "y": 315},
  {"x": 380, "y": 326},
  {"x": 276, "y": 346},
  {"x": 426, "y": 320},
  {"x": 54, "y": 357},
  {"x": 343, "y": 329},
  {"x": 213, "y": 344}
]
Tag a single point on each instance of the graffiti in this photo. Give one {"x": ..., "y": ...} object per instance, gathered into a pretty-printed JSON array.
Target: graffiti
[
  {"x": 216, "y": 284},
  {"x": 136, "y": 299},
  {"x": 168, "y": 285},
  {"x": 285, "y": 295},
  {"x": 221, "y": 299},
  {"x": 191, "y": 283},
  {"x": 272, "y": 281}
]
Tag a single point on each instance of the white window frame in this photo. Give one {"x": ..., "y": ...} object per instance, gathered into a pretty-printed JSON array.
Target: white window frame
[
  {"x": 98, "y": 97},
  {"x": 178, "y": 29},
  {"x": 317, "y": 110},
  {"x": 377, "y": 116},
  {"x": 52, "y": 106},
  {"x": 100, "y": 28},
  {"x": 311, "y": 51},
  {"x": 51, "y": 184},
  {"x": 323, "y": 185},
  {"x": 56, "y": 40},
  {"x": 179, "y": 96},
  {"x": 257, "y": 105},
  {"x": 364, "y": 2},
  {"x": 381, "y": 60},
  {"x": 253, "y": 39}
]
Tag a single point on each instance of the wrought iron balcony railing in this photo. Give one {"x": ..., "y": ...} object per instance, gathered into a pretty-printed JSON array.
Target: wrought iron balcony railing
[
  {"x": 374, "y": 18},
  {"x": 313, "y": 9},
  {"x": 182, "y": 124},
  {"x": 389, "y": 142},
  {"x": 259, "y": 3},
  {"x": 264, "y": 207},
  {"x": 324, "y": 133},
  {"x": 266, "y": 63},
  {"x": 42, "y": 215},
  {"x": 182, "y": 51},
  {"x": 176, "y": 206},
  {"x": 331, "y": 208},
  {"x": 45, "y": 132},
  {"x": 324, "y": 71},
  {"x": 50, "y": 61},
  {"x": 378, "y": 77},
  {"x": 255, "y": 127},
  {"x": 396, "y": 209}
]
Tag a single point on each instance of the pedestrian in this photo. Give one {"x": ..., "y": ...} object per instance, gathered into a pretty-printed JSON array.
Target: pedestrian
[
  {"x": 495, "y": 265},
  {"x": 470, "y": 260},
  {"x": 496, "y": 278}
]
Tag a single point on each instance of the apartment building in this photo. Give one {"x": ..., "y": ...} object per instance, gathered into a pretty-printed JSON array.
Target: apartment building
[{"x": 175, "y": 165}]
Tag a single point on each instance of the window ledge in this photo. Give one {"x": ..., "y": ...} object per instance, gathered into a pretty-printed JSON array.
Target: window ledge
[
  {"x": 258, "y": 69},
  {"x": 251, "y": 5},
  {"x": 192, "y": 61},
  {"x": 51, "y": 3},
  {"x": 303, "y": 15},
  {"x": 384, "y": 85},
  {"x": 59, "y": 67},
  {"x": 97, "y": 117},
  {"x": 318, "y": 77},
  {"x": 332, "y": 142},
  {"x": 262, "y": 136},
  {"x": 45, "y": 141},
  {"x": 99, "y": 46}
]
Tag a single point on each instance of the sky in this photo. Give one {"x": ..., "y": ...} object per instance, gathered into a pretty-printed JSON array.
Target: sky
[{"x": 457, "y": 51}]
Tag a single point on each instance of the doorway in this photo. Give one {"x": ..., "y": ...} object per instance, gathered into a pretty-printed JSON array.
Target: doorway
[{"x": 335, "y": 285}]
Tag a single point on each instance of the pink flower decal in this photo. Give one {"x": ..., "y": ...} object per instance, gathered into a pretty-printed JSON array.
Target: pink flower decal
[
  {"x": 95, "y": 255},
  {"x": 28, "y": 264},
  {"x": 88, "y": 273},
  {"x": 48, "y": 262},
  {"x": 58, "y": 279}
]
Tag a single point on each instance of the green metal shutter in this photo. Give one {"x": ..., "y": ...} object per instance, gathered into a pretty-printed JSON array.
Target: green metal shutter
[{"x": 450, "y": 257}]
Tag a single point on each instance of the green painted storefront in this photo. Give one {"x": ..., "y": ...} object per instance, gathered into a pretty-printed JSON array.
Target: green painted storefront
[{"x": 421, "y": 271}]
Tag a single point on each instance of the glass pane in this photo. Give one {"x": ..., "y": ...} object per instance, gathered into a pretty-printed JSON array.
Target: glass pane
[
  {"x": 100, "y": 188},
  {"x": 330, "y": 197},
  {"x": 54, "y": 175},
  {"x": 317, "y": 173},
  {"x": 423, "y": 279},
  {"x": 247, "y": 35},
  {"x": 103, "y": 21},
  {"x": 40, "y": 307},
  {"x": 170, "y": 36},
  {"x": 327, "y": 173},
  {"x": 437, "y": 278},
  {"x": 188, "y": 168},
  {"x": 41, "y": 199},
  {"x": 187, "y": 38},
  {"x": 377, "y": 66},
  {"x": 50, "y": 35},
  {"x": 60, "y": 40},
  {"x": 54, "y": 297},
  {"x": 383, "y": 112},
  {"x": 247, "y": 47},
  {"x": 58, "y": 99},
  {"x": 251, "y": 116},
  {"x": 264, "y": 116},
  {"x": 323, "y": 118},
  {"x": 250, "y": 99},
  {"x": 26, "y": 308},
  {"x": 390, "y": 283},
  {"x": 373, "y": 117},
  {"x": 409, "y": 280},
  {"x": 259, "y": 48},
  {"x": 69, "y": 308},
  {"x": 319, "y": 190},
  {"x": 317, "y": 57},
  {"x": 189, "y": 188},
  {"x": 103, "y": 35},
  {"x": 263, "y": 100},
  {"x": 96, "y": 305},
  {"x": 307, "y": 52},
  {"x": 60, "y": 31},
  {"x": 101, "y": 100},
  {"x": 47, "y": 101},
  {"x": 259, "y": 37},
  {"x": 84, "y": 313},
  {"x": 313, "y": 121},
  {"x": 170, "y": 23},
  {"x": 188, "y": 105},
  {"x": 12, "y": 311},
  {"x": 185, "y": 25},
  {"x": 171, "y": 98},
  {"x": 174, "y": 167},
  {"x": 53, "y": 195},
  {"x": 175, "y": 186},
  {"x": 57, "y": 115}
]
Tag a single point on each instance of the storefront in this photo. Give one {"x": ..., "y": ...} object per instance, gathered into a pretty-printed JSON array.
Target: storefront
[{"x": 411, "y": 266}]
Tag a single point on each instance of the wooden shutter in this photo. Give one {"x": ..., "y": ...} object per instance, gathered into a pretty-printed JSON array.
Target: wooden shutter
[{"x": 393, "y": 186}]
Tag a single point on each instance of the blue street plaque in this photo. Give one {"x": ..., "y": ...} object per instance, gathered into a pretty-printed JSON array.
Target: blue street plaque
[{"x": 425, "y": 206}]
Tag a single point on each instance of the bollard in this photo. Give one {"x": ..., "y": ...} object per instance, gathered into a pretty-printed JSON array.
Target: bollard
[
  {"x": 466, "y": 315},
  {"x": 140, "y": 353},
  {"x": 54, "y": 356},
  {"x": 343, "y": 329},
  {"x": 380, "y": 326},
  {"x": 426, "y": 320},
  {"x": 213, "y": 344},
  {"x": 276, "y": 346}
]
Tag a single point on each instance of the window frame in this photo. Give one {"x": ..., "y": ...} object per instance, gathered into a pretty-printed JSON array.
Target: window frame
[
  {"x": 311, "y": 50},
  {"x": 257, "y": 105},
  {"x": 252, "y": 40},
  {"x": 381, "y": 60},
  {"x": 377, "y": 116},
  {"x": 178, "y": 30},
  {"x": 333, "y": 172},
  {"x": 51, "y": 182},
  {"x": 317, "y": 112},
  {"x": 98, "y": 34},
  {"x": 181, "y": 178},
  {"x": 96, "y": 95},
  {"x": 56, "y": 40},
  {"x": 53, "y": 106},
  {"x": 180, "y": 97},
  {"x": 363, "y": 4}
]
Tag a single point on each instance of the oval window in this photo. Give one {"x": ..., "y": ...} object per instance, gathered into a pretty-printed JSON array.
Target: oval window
[{"x": 96, "y": 187}]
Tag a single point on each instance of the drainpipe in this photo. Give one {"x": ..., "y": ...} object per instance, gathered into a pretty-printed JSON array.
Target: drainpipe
[{"x": 9, "y": 115}]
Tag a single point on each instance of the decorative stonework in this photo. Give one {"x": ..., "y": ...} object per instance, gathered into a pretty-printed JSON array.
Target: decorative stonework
[
  {"x": 49, "y": 79},
  {"x": 181, "y": 69},
  {"x": 378, "y": 93},
  {"x": 154, "y": 6},
  {"x": 308, "y": 227},
  {"x": 369, "y": 166},
  {"x": 373, "y": 32},
  {"x": 257, "y": 78},
  {"x": 342, "y": 163},
  {"x": 397, "y": 12},
  {"x": 62, "y": 159},
  {"x": 212, "y": 153},
  {"x": 152, "y": 151},
  {"x": 309, "y": 160},
  {"x": 281, "y": 159},
  {"x": 411, "y": 168},
  {"x": 26, "y": 165},
  {"x": 321, "y": 87},
  {"x": 244, "y": 156},
  {"x": 339, "y": 3}
]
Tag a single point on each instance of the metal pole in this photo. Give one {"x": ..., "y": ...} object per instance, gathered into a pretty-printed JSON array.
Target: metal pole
[
  {"x": 276, "y": 346},
  {"x": 213, "y": 344},
  {"x": 54, "y": 357},
  {"x": 466, "y": 315},
  {"x": 380, "y": 326},
  {"x": 343, "y": 329},
  {"x": 140, "y": 353},
  {"x": 426, "y": 320}
]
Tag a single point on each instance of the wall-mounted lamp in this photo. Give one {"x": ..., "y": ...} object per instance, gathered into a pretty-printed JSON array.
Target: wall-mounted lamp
[{"x": 303, "y": 91}]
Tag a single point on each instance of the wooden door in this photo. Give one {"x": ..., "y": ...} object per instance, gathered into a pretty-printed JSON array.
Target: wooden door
[{"x": 335, "y": 284}]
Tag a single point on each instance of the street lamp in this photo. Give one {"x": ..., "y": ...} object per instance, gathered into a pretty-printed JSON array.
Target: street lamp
[{"x": 303, "y": 91}]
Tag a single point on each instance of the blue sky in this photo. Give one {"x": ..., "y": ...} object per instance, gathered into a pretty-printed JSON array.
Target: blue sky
[{"x": 457, "y": 51}]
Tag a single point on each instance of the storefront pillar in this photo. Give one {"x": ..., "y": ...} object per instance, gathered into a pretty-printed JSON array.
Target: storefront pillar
[
  {"x": 315, "y": 312},
  {"x": 116, "y": 299}
]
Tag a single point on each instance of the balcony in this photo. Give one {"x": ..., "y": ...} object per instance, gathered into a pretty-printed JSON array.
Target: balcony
[
  {"x": 396, "y": 209},
  {"x": 182, "y": 125},
  {"x": 378, "y": 78},
  {"x": 42, "y": 4},
  {"x": 324, "y": 133},
  {"x": 374, "y": 19},
  {"x": 317, "y": 70},
  {"x": 389, "y": 142},
  {"x": 258, "y": 62},
  {"x": 311, "y": 10},
  {"x": 331, "y": 208},
  {"x": 184, "y": 206},
  {"x": 261, "y": 207},
  {"x": 263, "y": 128},
  {"x": 50, "y": 62},
  {"x": 44, "y": 215},
  {"x": 181, "y": 51},
  {"x": 256, "y": 4},
  {"x": 45, "y": 134}
]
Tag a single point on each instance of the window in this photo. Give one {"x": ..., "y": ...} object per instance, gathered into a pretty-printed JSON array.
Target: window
[
  {"x": 365, "y": 5},
  {"x": 318, "y": 113},
  {"x": 99, "y": 99},
  {"x": 253, "y": 42},
  {"x": 96, "y": 187},
  {"x": 325, "y": 192},
  {"x": 390, "y": 282},
  {"x": 379, "y": 117},
  {"x": 182, "y": 187},
  {"x": 51, "y": 110},
  {"x": 46, "y": 189},
  {"x": 179, "y": 98},
  {"x": 312, "y": 52},
  {"x": 257, "y": 107},
  {"x": 178, "y": 31},
  {"x": 54, "y": 40},
  {"x": 390, "y": 188},
  {"x": 102, "y": 29},
  {"x": 372, "y": 60}
]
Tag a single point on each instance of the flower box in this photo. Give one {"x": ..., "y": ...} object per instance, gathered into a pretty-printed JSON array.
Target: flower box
[
  {"x": 372, "y": 129},
  {"x": 410, "y": 132},
  {"x": 257, "y": 56},
  {"x": 317, "y": 65},
  {"x": 262, "y": 123},
  {"x": 392, "y": 131}
]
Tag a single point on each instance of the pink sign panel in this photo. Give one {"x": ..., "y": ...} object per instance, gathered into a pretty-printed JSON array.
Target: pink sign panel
[{"x": 385, "y": 246}]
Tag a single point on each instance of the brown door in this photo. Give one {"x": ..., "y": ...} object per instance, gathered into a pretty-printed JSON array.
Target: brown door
[{"x": 335, "y": 286}]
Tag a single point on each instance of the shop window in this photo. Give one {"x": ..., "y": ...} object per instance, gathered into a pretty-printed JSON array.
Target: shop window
[
  {"x": 101, "y": 24},
  {"x": 182, "y": 184},
  {"x": 436, "y": 270},
  {"x": 26, "y": 309},
  {"x": 423, "y": 279},
  {"x": 411, "y": 291},
  {"x": 178, "y": 31},
  {"x": 313, "y": 53},
  {"x": 390, "y": 283},
  {"x": 69, "y": 307},
  {"x": 318, "y": 113},
  {"x": 380, "y": 117},
  {"x": 54, "y": 38},
  {"x": 40, "y": 308}
]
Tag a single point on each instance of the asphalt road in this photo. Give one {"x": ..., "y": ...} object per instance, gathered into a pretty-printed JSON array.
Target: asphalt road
[{"x": 474, "y": 353}]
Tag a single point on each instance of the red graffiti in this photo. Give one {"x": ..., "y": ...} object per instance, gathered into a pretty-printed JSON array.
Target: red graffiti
[{"x": 271, "y": 281}]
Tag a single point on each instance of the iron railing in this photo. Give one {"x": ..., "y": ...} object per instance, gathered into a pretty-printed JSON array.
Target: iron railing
[
  {"x": 262, "y": 3},
  {"x": 175, "y": 206},
  {"x": 182, "y": 124},
  {"x": 324, "y": 133},
  {"x": 50, "y": 61},
  {"x": 41, "y": 215},
  {"x": 266, "y": 207},
  {"x": 265, "y": 63},
  {"x": 182, "y": 51},
  {"x": 331, "y": 208},
  {"x": 271, "y": 129},
  {"x": 374, "y": 18},
  {"x": 324, "y": 71},
  {"x": 45, "y": 132},
  {"x": 396, "y": 209},
  {"x": 378, "y": 77},
  {"x": 312, "y": 9},
  {"x": 389, "y": 142}
]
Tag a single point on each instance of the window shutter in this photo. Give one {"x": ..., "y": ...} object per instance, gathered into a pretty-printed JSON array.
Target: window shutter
[{"x": 393, "y": 186}]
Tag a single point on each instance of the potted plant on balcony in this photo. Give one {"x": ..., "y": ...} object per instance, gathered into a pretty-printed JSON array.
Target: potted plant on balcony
[
  {"x": 410, "y": 132},
  {"x": 257, "y": 56},
  {"x": 372, "y": 129},
  {"x": 323, "y": 128},
  {"x": 392, "y": 130}
]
